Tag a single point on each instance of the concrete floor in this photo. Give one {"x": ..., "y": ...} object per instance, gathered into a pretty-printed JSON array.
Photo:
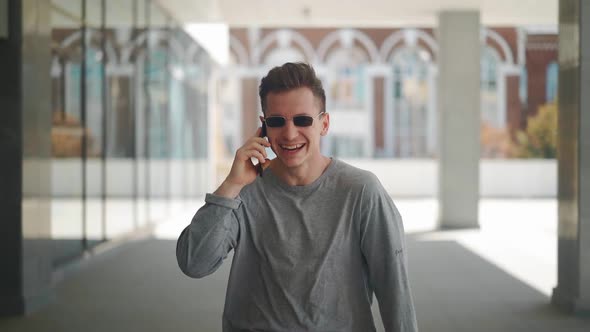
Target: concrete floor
[{"x": 492, "y": 279}]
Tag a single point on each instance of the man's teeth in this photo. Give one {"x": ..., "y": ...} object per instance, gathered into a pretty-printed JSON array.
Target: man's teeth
[{"x": 291, "y": 147}]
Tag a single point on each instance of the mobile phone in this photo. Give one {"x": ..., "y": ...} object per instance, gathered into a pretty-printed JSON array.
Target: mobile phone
[
  {"x": 262, "y": 134},
  {"x": 263, "y": 131}
]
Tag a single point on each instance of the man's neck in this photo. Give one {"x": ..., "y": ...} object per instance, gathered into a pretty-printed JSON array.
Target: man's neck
[{"x": 300, "y": 176}]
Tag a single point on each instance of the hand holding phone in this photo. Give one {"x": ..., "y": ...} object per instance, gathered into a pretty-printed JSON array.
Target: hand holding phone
[{"x": 244, "y": 169}]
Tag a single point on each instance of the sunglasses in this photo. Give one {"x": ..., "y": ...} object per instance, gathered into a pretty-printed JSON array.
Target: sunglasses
[{"x": 298, "y": 120}]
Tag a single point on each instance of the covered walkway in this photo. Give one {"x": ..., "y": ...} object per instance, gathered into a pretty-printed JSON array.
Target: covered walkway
[{"x": 498, "y": 278}]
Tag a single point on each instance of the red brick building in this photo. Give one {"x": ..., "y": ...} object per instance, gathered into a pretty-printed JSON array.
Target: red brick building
[{"x": 381, "y": 84}]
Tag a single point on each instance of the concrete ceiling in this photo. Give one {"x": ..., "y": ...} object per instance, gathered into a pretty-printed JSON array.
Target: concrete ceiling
[{"x": 358, "y": 13}]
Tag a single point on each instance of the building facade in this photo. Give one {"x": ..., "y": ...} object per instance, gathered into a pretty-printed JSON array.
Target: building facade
[
  {"x": 381, "y": 85},
  {"x": 105, "y": 128}
]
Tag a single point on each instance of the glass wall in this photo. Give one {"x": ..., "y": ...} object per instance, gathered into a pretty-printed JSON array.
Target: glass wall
[
  {"x": 68, "y": 135},
  {"x": 129, "y": 135}
]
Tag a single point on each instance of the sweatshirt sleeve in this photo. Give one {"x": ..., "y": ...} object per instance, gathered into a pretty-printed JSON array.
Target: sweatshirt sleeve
[
  {"x": 205, "y": 242},
  {"x": 382, "y": 243}
]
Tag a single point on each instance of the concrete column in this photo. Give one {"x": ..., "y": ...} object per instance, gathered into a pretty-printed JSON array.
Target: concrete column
[
  {"x": 459, "y": 118},
  {"x": 25, "y": 147},
  {"x": 573, "y": 282}
]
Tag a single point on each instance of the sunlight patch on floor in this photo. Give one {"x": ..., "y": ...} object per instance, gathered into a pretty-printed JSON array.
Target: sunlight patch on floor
[{"x": 518, "y": 236}]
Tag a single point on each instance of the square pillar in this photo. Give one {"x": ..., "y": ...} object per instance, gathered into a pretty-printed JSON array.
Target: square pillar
[
  {"x": 459, "y": 118},
  {"x": 572, "y": 293},
  {"x": 25, "y": 147}
]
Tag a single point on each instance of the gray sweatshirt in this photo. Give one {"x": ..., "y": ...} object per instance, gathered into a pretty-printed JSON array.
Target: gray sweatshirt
[{"x": 306, "y": 258}]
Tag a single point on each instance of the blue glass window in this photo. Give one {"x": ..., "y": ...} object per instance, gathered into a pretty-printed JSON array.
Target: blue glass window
[{"x": 552, "y": 81}]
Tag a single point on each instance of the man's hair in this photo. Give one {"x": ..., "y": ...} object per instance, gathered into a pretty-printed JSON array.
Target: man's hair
[{"x": 291, "y": 76}]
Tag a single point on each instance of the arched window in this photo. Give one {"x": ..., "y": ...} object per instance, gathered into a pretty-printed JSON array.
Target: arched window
[
  {"x": 347, "y": 89},
  {"x": 490, "y": 112},
  {"x": 93, "y": 86},
  {"x": 345, "y": 55},
  {"x": 197, "y": 97},
  {"x": 411, "y": 95},
  {"x": 157, "y": 77},
  {"x": 177, "y": 87},
  {"x": 551, "y": 81},
  {"x": 346, "y": 93},
  {"x": 282, "y": 46}
]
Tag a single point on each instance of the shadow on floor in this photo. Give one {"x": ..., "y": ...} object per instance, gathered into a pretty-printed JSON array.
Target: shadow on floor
[{"x": 457, "y": 290}]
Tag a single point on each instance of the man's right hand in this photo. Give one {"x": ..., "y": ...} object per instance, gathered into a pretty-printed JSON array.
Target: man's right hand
[{"x": 243, "y": 171}]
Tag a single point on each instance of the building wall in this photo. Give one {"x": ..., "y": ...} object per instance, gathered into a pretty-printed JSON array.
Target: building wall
[
  {"x": 379, "y": 46},
  {"x": 541, "y": 50}
]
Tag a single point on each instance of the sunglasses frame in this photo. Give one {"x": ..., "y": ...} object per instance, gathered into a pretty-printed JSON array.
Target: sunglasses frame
[{"x": 292, "y": 119}]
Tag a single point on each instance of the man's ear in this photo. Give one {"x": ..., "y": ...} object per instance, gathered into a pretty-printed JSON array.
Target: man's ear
[
  {"x": 261, "y": 119},
  {"x": 325, "y": 124}
]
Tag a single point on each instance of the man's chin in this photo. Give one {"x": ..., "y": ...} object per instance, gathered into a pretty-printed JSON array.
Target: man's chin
[{"x": 289, "y": 162}]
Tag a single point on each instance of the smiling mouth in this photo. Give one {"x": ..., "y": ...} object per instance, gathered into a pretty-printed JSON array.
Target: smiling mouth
[{"x": 293, "y": 147}]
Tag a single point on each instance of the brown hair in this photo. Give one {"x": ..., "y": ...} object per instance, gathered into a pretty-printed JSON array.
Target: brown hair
[{"x": 291, "y": 76}]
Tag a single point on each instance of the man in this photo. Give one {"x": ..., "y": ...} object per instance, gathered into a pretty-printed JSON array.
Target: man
[{"x": 313, "y": 237}]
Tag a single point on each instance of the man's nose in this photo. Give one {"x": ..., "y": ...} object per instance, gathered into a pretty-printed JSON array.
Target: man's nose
[{"x": 290, "y": 131}]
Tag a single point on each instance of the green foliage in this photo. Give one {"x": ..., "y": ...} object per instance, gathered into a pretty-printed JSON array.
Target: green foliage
[{"x": 539, "y": 140}]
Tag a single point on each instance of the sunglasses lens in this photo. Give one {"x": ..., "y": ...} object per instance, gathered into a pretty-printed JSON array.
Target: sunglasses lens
[
  {"x": 275, "y": 121},
  {"x": 303, "y": 121}
]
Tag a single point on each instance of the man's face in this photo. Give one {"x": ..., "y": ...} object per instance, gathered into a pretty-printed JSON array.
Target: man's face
[{"x": 296, "y": 147}]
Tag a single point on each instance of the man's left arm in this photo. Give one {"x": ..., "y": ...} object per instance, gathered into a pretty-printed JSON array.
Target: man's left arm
[{"x": 383, "y": 246}]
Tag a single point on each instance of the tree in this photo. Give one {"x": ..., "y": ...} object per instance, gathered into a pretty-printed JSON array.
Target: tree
[{"x": 539, "y": 140}]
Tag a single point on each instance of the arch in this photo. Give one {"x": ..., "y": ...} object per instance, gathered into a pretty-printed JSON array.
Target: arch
[
  {"x": 347, "y": 37},
  {"x": 345, "y": 55},
  {"x": 278, "y": 56},
  {"x": 177, "y": 49},
  {"x": 388, "y": 45},
  {"x": 236, "y": 45},
  {"x": 488, "y": 51},
  {"x": 410, "y": 114},
  {"x": 505, "y": 48},
  {"x": 140, "y": 39},
  {"x": 136, "y": 42},
  {"x": 493, "y": 51},
  {"x": 71, "y": 39},
  {"x": 110, "y": 50},
  {"x": 175, "y": 46},
  {"x": 195, "y": 51},
  {"x": 286, "y": 37}
]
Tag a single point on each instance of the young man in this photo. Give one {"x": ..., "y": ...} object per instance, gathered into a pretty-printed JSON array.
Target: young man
[{"x": 313, "y": 237}]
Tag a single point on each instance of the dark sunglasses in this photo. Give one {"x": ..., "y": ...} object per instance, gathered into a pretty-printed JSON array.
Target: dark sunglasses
[{"x": 298, "y": 120}]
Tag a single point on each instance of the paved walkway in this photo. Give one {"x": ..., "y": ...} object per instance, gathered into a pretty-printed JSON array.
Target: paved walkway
[{"x": 495, "y": 279}]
